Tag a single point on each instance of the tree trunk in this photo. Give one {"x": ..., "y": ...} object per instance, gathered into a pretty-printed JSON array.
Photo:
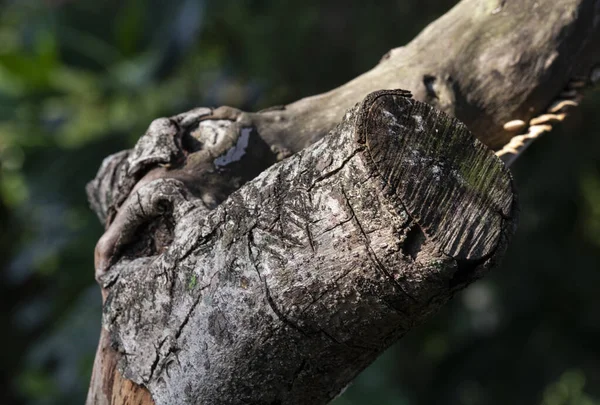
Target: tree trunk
[{"x": 282, "y": 292}]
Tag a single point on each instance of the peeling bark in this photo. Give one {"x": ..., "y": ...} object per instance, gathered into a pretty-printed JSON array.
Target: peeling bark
[{"x": 282, "y": 291}]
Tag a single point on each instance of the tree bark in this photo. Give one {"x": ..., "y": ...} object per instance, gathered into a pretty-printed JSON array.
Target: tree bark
[
  {"x": 287, "y": 289},
  {"x": 300, "y": 279}
]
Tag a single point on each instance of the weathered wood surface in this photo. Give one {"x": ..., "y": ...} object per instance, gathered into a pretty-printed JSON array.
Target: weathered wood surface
[
  {"x": 110, "y": 386},
  {"x": 300, "y": 279},
  {"x": 486, "y": 62}
]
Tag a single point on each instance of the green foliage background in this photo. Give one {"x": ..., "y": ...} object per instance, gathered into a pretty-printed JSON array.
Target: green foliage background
[{"x": 80, "y": 80}]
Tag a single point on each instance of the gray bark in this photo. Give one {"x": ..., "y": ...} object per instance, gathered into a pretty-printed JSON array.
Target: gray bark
[
  {"x": 284, "y": 290},
  {"x": 300, "y": 279}
]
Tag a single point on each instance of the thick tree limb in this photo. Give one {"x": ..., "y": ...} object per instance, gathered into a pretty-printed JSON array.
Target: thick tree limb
[
  {"x": 485, "y": 62},
  {"x": 300, "y": 279}
]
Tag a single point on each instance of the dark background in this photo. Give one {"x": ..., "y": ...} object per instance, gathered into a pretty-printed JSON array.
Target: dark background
[{"x": 82, "y": 79}]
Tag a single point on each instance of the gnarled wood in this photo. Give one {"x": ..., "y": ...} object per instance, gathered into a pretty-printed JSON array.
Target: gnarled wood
[
  {"x": 300, "y": 279},
  {"x": 487, "y": 62}
]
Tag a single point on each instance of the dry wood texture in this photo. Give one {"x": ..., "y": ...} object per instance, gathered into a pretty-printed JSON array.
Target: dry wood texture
[
  {"x": 300, "y": 279},
  {"x": 281, "y": 292}
]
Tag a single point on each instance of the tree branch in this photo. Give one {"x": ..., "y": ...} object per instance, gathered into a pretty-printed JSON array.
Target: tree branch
[
  {"x": 312, "y": 269},
  {"x": 299, "y": 280}
]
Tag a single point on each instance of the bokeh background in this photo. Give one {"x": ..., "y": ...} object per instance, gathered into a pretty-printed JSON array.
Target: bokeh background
[{"x": 81, "y": 79}]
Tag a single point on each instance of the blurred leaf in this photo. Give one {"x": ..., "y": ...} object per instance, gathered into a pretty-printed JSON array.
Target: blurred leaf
[
  {"x": 128, "y": 26},
  {"x": 590, "y": 188},
  {"x": 36, "y": 384},
  {"x": 31, "y": 70},
  {"x": 568, "y": 390},
  {"x": 13, "y": 189}
]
